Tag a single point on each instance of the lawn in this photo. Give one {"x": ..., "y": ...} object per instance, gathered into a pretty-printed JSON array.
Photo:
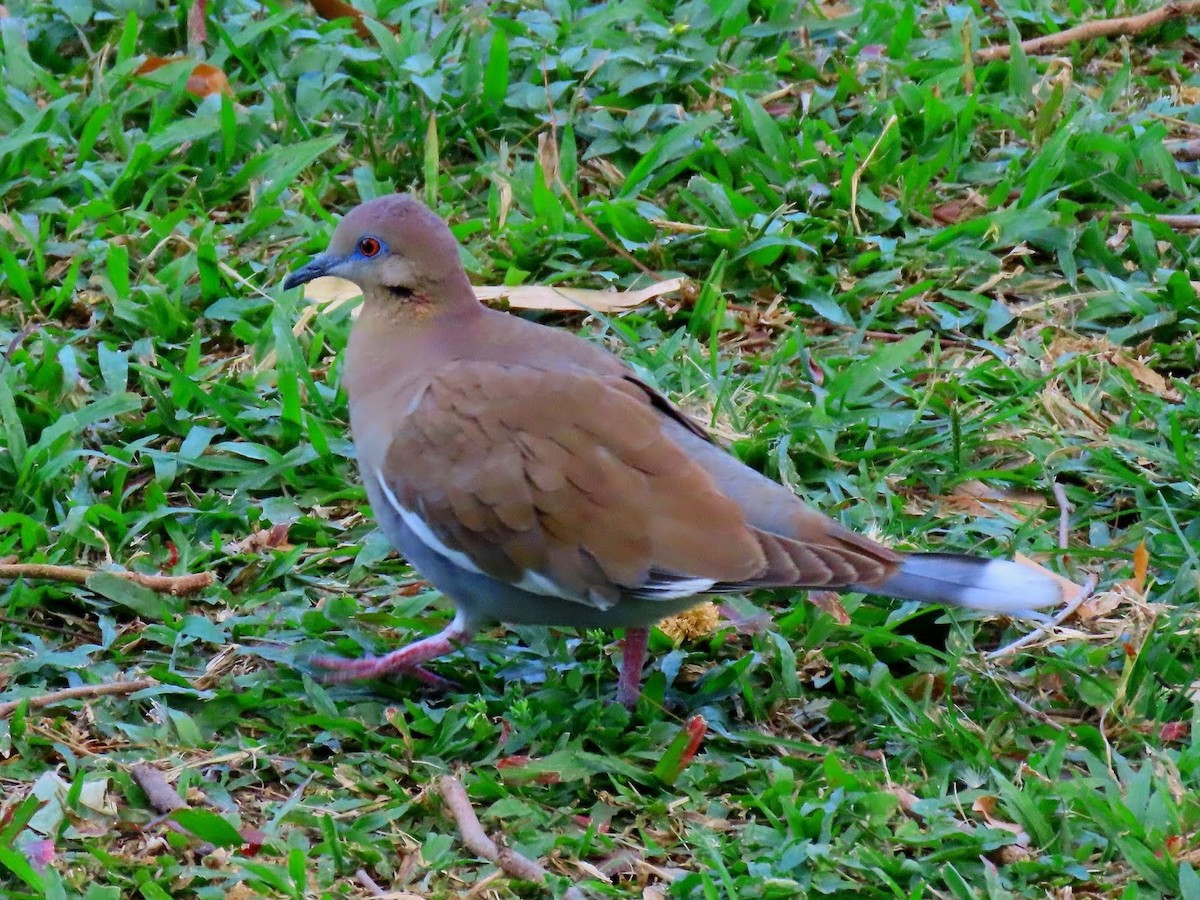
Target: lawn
[{"x": 933, "y": 292}]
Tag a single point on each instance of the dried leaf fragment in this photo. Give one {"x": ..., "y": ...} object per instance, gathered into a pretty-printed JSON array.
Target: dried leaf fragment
[
  {"x": 829, "y": 602},
  {"x": 332, "y": 292},
  {"x": 978, "y": 499},
  {"x": 204, "y": 80},
  {"x": 339, "y": 9},
  {"x": 564, "y": 299},
  {"x": 986, "y": 807},
  {"x": 697, "y": 622},
  {"x": 1141, "y": 569}
]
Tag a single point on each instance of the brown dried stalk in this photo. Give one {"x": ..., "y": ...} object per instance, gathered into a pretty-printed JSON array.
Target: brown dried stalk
[
  {"x": 1128, "y": 25},
  {"x": 177, "y": 585},
  {"x": 163, "y": 798},
  {"x": 84, "y": 692},
  {"x": 1065, "y": 508},
  {"x": 512, "y": 863}
]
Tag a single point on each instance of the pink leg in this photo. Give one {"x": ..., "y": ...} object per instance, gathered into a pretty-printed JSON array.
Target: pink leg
[
  {"x": 407, "y": 659},
  {"x": 633, "y": 657}
]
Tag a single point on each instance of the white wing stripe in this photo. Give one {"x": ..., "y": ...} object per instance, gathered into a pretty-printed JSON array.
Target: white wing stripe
[
  {"x": 535, "y": 583},
  {"x": 418, "y": 527},
  {"x": 663, "y": 589},
  {"x": 530, "y": 581}
]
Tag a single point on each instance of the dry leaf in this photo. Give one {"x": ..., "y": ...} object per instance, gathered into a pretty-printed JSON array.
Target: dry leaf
[
  {"x": 1070, "y": 589},
  {"x": 697, "y": 622},
  {"x": 196, "y": 26},
  {"x": 836, "y": 10},
  {"x": 981, "y": 500},
  {"x": 953, "y": 211},
  {"x": 1102, "y": 348},
  {"x": 1098, "y": 605},
  {"x": 1174, "y": 731},
  {"x": 906, "y": 798},
  {"x": 548, "y": 157},
  {"x": 333, "y": 292},
  {"x": 829, "y": 602},
  {"x": 1145, "y": 376},
  {"x": 273, "y": 538},
  {"x": 1070, "y": 415},
  {"x": 1141, "y": 568},
  {"x": 564, "y": 299},
  {"x": 339, "y": 9},
  {"x": 328, "y": 289},
  {"x": 204, "y": 80},
  {"x": 986, "y": 806},
  {"x": 39, "y": 853}
]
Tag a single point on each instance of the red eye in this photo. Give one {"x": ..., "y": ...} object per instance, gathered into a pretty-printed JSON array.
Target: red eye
[{"x": 369, "y": 247}]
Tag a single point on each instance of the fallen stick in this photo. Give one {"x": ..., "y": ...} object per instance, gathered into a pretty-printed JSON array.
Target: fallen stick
[
  {"x": 512, "y": 863},
  {"x": 85, "y": 692},
  {"x": 1128, "y": 25},
  {"x": 1064, "y": 515},
  {"x": 1063, "y": 614},
  {"x": 176, "y": 585},
  {"x": 339, "y": 9},
  {"x": 1182, "y": 222},
  {"x": 1032, "y": 710},
  {"x": 164, "y": 800},
  {"x": 1179, "y": 221}
]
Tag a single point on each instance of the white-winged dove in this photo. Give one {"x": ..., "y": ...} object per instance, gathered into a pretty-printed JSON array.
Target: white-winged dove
[{"x": 534, "y": 479}]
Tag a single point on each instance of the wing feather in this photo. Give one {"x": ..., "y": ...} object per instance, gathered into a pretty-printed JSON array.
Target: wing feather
[{"x": 566, "y": 483}]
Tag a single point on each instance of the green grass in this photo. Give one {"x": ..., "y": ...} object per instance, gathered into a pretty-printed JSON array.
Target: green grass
[{"x": 143, "y": 237}]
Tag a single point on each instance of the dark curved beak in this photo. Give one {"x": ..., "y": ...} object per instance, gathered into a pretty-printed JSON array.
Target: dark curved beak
[{"x": 319, "y": 265}]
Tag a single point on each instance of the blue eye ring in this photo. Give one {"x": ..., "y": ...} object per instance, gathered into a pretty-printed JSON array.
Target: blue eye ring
[{"x": 369, "y": 247}]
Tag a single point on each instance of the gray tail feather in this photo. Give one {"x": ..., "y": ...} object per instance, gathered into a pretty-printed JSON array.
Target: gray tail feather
[{"x": 995, "y": 585}]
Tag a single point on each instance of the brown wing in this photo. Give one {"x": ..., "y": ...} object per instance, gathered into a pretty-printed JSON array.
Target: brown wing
[{"x": 566, "y": 477}]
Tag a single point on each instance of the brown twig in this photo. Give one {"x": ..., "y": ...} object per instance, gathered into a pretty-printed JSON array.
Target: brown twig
[
  {"x": 512, "y": 863},
  {"x": 164, "y": 800},
  {"x": 1064, "y": 515},
  {"x": 1182, "y": 222},
  {"x": 339, "y": 9},
  {"x": 84, "y": 692},
  {"x": 177, "y": 585},
  {"x": 1032, "y": 710},
  {"x": 371, "y": 887},
  {"x": 1128, "y": 25},
  {"x": 29, "y": 623},
  {"x": 368, "y": 883},
  {"x": 609, "y": 242}
]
